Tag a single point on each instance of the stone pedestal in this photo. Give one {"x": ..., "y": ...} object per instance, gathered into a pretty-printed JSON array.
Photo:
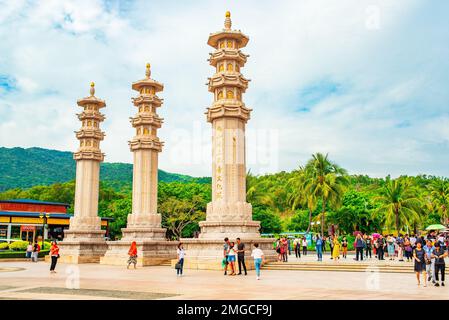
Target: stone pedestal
[
  {"x": 207, "y": 254},
  {"x": 232, "y": 230},
  {"x": 149, "y": 252},
  {"x": 80, "y": 246},
  {"x": 144, "y": 226}
]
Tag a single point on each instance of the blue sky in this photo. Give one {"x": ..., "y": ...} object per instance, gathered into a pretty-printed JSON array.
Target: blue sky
[{"x": 365, "y": 81}]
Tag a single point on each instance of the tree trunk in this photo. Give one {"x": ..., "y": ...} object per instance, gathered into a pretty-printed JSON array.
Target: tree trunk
[
  {"x": 310, "y": 221},
  {"x": 397, "y": 220},
  {"x": 323, "y": 212}
]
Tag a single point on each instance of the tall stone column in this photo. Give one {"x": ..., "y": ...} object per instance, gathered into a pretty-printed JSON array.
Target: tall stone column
[
  {"x": 228, "y": 214},
  {"x": 84, "y": 241},
  {"x": 144, "y": 222}
]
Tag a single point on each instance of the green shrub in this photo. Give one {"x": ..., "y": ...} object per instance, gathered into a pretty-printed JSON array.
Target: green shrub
[
  {"x": 4, "y": 246},
  {"x": 18, "y": 254},
  {"x": 18, "y": 246}
]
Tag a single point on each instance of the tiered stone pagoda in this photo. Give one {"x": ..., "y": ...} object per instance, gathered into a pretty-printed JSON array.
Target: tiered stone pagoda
[
  {"x": 228, "y": 215},
  {"x": 144, "y": 223},
  {"x": 84, "y": 241}
]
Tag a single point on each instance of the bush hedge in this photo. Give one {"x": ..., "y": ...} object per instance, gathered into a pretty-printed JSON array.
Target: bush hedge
[
  {"x": 4, "y": 246},
  {"x": 20, "y": 254},
  {"x": 18, "y": 246}
]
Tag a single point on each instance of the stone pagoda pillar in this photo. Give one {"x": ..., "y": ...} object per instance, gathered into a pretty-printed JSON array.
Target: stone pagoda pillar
[
  {"x": 228, "y": 215},
  {"x": 84, "y": 241},
  {"x": 144, "y": 223}
]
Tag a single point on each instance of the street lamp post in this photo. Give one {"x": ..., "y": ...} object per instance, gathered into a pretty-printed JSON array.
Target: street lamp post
[{"x": 44, "y": 216}]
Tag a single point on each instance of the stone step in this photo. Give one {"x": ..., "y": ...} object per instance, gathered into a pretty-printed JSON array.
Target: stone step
[{"x": 340, "y": 267}]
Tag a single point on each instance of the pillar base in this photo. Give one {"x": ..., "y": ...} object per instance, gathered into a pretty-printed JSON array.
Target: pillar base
[
  {"x": 143, "y": 233},
  {"x": 230, "y": 229},
  {"x": 207, "y": 254},
  {"x": 149, "y": 252},
  {"x": 82, "y": 246}
]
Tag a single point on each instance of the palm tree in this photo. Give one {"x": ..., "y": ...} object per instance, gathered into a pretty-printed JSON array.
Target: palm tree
[
  {"x": 400, "y": 205},
  {"x": 439, "y": 195},
  {"x": 301, "y": 196},
  {"x": 326, "y": 181}
]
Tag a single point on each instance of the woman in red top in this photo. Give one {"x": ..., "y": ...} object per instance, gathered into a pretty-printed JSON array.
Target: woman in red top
[
  {"x": 132, "y": 255},
  {"x": 54, "y": 254}
]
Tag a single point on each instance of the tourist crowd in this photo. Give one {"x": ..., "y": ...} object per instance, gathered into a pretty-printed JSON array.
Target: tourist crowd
[{"x": 427, "y": 251}]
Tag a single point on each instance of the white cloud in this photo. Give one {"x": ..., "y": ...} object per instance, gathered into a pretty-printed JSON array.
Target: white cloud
[{"x": 388, "y": 56}]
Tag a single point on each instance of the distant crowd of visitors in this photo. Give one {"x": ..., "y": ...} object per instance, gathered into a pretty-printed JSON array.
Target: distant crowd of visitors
[{"x": 427, "y": 252}]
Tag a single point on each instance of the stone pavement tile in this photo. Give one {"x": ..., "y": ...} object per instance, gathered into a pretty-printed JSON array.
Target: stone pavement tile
[{"x": 199, "y": 284}]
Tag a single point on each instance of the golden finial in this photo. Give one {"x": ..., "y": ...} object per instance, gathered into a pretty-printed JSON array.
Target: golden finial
[
  {"x": 148, "y": 71},
  {"x": 92, "y": 89},
  {"x": 228, "y": 22}
]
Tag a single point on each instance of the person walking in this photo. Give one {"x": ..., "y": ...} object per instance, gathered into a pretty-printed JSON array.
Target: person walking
[
  {"x": 430, "y": 261},
  {"x": 180, "y": 254},
  {"x": 368, "y": 246},
  {"x": 323, "y": 244},
  {"x": 336, "y": 249},
  {"x": 419, "y": 256},
  {"x": 284, "y": 249},
  {"x": 297, "y": 247},
  {"x": 36, "y": 250},
  {"x": 400, "y": 247},
  {"x": 390, "y": 247},
  {"x": 319, "y": 248},
  {"x": 439, "y": 254},
  {"x": 241, "y": 256},
  {"x": 331, "y": 245},
  {"x": 344, "y": 246},
  {"x": 408, "y": 249},
  {"x": 359, "y": 245},
  {"x": 380, "y": 247},
  {"x": 259, "y": 259},
  {"x": 304, "y": 246},
  {"x": 226, "y": 246},
  {"x": 132, "y": 253},
  {"x": 54, "y": 255},
  {"x": 29, "y": 251}
]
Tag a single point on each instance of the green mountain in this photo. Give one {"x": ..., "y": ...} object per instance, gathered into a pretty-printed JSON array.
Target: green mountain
[{"x": 24, "y": 168}]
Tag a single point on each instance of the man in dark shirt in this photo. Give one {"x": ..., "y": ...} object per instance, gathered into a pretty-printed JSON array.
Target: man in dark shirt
[
  {"x": 439, "y": 254},
  {"x": 241, "y": 256},
  {"x": 359, "y": 244}
]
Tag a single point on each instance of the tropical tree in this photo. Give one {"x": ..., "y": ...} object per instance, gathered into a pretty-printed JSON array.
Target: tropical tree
[
  {"x": 177, "y": 214},
  {"x": 439, "y": 196},
  {"x": 399, "y": 204},
  {"x": 302, "y": 197},
  {"x": 326, "y": 181}
]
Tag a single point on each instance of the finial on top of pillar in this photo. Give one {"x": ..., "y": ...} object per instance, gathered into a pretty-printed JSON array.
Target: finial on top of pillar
[
  {"x": 228, "y": 22},
  {"x": 148, "y": 71},
  {"x": 92, "y": 89}
]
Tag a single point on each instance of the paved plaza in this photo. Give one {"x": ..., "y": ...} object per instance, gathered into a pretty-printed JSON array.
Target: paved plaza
[{"x": 26, "y": 280}]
